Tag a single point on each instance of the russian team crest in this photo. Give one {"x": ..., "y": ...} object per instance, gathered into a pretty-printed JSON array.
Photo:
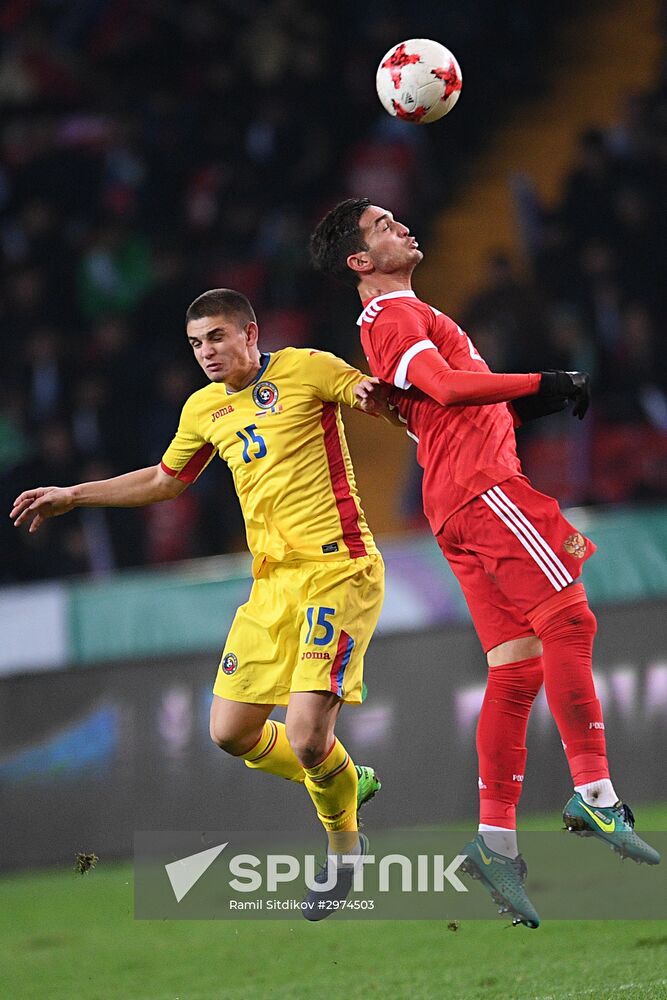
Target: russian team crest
[
  {"x": 265, "y": 394},
  {"x": 230, "y": 664},
  {"x": 575, "y": 545}
]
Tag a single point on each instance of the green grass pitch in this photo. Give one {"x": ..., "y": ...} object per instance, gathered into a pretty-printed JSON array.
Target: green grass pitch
[{"x": 68, "y": 937}]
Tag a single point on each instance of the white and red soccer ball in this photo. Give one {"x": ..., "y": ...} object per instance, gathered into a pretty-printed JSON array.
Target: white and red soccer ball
[{"x": 418, "y": 81}]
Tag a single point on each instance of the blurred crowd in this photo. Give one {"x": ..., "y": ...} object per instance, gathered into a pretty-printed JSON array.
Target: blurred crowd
[
  {"x": 592, "y": 299},
  {"x": 151, "y": 151}
]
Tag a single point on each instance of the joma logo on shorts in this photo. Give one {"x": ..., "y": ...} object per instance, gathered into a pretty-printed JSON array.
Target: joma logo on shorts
[
  {"x": 311, "y": 654},
  {"x": 596, "y": 725}
]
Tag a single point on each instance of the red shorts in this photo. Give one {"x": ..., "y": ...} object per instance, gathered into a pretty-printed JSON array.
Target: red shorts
[{"x": 511, "y": 549}]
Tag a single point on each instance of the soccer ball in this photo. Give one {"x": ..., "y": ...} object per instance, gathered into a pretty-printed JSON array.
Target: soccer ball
[{"x": 418, "y": 81}]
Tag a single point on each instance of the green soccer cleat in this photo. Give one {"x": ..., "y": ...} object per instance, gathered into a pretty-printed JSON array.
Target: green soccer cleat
[
  {"x": 613, "y": 824},
  {"x": 504, "y": 878},
  {"x": 368, "y": 784},
  {"x": 318, "y": 904}
]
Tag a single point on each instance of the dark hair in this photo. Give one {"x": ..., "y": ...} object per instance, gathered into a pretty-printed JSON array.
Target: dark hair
[
  {"x": 221, "y": 302},
  {"x": 337, "y": 236}
]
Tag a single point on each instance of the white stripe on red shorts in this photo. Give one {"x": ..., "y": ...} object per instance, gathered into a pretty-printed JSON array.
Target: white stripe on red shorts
[{"x": 528, "y": 535}]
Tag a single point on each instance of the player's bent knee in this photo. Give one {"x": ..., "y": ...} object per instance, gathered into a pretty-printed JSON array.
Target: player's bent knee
[
  {"x": 577, "y": 619},
  {"x": 234, "y": 743},
  {"x": 310, "y": 749},
  {"x": 585, "y": 618},
  {"x": 223, "y": 740},
  {"x": 567, "y": 613}
]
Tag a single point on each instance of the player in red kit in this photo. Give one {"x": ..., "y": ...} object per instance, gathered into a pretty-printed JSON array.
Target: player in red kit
[{"x": 516, "y": 557}]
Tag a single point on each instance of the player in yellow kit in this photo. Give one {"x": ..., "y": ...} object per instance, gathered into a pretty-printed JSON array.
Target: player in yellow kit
[{"x": 317, "y": 576}]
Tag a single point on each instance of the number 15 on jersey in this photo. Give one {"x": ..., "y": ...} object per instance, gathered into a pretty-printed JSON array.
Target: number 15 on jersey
[{"x": 252, "y": 440}]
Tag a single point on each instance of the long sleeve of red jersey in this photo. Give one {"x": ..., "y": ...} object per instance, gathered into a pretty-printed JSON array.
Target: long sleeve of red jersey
[{"x": 429, "y": 372}]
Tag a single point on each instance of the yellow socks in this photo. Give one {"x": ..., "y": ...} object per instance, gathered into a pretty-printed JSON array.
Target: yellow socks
[
  {"x": 332, "y": 785},
  {"x": 273, "y": 753}
]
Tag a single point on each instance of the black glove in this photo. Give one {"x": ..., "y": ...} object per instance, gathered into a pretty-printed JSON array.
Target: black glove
[
  {"x": 533, "y": 407},
  {"x": 571, "y": 385}
]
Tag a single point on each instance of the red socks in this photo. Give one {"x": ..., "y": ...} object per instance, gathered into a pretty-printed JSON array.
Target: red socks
[
  {"x": 501, "y": 738},
  {"x": 567, "y": 626}
]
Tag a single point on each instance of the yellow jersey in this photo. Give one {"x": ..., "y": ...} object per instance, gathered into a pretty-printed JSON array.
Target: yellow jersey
[{"x": 283, "y": 438}]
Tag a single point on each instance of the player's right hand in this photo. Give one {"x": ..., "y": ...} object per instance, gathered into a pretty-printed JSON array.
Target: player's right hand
[
  {"x": 371, "y": 395},
  {"x": 35, "y": 506}
]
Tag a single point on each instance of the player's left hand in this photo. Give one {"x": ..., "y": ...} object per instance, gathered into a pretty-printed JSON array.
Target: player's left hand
[
  {"x": 575, "y": 386},
  {"x": 582, "y": 396}
]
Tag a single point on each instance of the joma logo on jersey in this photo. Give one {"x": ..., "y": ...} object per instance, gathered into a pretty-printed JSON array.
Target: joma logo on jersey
[
  {"x": 312, "y": 654},
  {"x": 221, "y": 413}
]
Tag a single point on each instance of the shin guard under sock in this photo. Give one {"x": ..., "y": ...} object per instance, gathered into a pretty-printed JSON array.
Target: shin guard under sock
[
  {"x": 501, "y": 739},
  {"x": 567, "y": 627}
]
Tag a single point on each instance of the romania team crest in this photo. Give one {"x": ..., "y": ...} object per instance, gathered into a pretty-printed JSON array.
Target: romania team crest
[
  {"x": 265, "y": 394},
  {"x": 229, "y": 664}
]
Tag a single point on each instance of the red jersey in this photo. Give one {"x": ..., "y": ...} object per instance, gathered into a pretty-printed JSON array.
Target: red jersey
[{"x": 463, "y": 449}]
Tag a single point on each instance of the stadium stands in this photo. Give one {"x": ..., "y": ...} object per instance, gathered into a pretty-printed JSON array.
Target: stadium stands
[{"x": 150, "y": 152}]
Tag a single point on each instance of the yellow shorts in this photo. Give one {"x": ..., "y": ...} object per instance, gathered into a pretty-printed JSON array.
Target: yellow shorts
[{"x": 305, "y": 627}]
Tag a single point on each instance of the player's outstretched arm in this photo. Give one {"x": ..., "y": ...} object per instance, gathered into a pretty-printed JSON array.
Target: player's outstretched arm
[
  {"x": 429, "y": 372},
  {"x": 133, "y": 489}
]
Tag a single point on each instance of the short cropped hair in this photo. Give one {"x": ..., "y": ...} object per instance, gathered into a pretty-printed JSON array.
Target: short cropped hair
[
  {"x": 221, "y": 302},
  {"x": 336, "y": 237}
]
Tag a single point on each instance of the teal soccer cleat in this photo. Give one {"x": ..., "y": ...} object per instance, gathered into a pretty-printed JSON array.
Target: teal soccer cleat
[
  {"x": 504, "y": 878},
  {"x": 613, "y": 824}
]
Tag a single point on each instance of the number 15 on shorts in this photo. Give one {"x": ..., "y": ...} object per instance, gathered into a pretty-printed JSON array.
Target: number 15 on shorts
[{"x": 320, "y": 629}]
